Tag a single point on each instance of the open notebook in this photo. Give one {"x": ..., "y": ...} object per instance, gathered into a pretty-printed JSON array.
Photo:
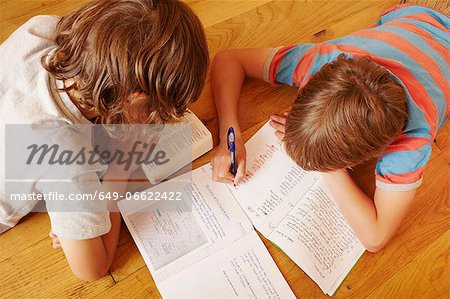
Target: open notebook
[
  {"x": 294, "y": 209},
  {"x": 211, "y": 252},
  {"x": 183, "y": 143},
  {"x": 289, "y": 206}
]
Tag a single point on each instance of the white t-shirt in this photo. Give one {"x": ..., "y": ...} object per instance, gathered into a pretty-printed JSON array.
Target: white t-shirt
[{"x": 29, "y": 95}]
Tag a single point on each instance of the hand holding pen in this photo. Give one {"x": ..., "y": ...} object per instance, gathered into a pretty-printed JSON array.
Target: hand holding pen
[{"x": 229, "y": 159}]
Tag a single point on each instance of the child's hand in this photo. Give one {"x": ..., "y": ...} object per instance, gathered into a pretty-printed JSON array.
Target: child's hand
[
  {"x": 221, "y": 163},
  {"x": 55, "y": 240},
  {"x": 278, "y": 122}
]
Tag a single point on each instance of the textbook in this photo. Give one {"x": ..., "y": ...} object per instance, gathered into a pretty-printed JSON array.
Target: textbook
[
  {"x": 289, "y": 206},
  {"x": 183, "y": 143}
]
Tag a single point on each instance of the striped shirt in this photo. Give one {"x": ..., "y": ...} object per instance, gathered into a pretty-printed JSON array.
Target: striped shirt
[{"x": 412, "y": 43}]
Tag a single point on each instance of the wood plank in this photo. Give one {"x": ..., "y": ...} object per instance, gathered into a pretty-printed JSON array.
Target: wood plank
[
  {"x": 427, "y": 276},
  {"x": 223, "y": 10},
  {"x": 13, "y": 15},
  {"x": 442, "y": 5},
  {"x": 41, "y": 271},
  {"x": 138, "y": 284},
  {"x": 30, "y": 230}
]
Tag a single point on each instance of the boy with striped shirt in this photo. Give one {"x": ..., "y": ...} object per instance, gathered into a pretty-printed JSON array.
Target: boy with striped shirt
[{"x": 380, "y": 92}]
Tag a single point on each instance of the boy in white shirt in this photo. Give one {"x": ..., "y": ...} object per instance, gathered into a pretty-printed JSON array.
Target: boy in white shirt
[{"x": 109, "y": 62}]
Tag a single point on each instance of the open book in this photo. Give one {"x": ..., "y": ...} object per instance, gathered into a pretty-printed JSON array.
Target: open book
[
  {"x": 289, "y": 206},
  {"x": 182, "y": 143}
]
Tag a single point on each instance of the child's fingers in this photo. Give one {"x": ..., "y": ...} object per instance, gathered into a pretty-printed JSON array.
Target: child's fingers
[
  {"x": 222, "y": 180},
  {"x": 52, "y": 235},
  {"x": 286, "y": 114},
  {"x": 240, "y": 174},
  {"x": 225, "y": 176},
  {"x": 279, "y": 135},
  {"x": 277, "y": 126},
  {"x": 221, "y": 172},
  {"x": 278, "y": 119},
  {"x": 55, "y": 241},
  {"x": 56, "y": 245}
]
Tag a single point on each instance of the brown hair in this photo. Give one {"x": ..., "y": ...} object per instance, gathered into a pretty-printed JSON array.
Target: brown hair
[
  {"x": 116, "y": 48},
  {"x": 347, "y": 113}
]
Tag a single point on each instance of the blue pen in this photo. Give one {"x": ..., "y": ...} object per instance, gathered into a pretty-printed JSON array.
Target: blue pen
[{"x": 232, "y": 148}]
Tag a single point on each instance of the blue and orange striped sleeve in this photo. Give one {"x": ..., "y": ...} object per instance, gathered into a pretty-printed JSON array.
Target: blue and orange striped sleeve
[
  {"x": 294, "y": 65},
  {"x": 413, "y": 11},
  {"x": 284, "y": 64},
  {"x": 401, "y": 167}
]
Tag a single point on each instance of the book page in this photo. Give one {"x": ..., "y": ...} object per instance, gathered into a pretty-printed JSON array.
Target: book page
[
  {"x": 243, "y": 269},
  {"x": 199, "y": 130},
  {"x": 272, "y": 177},
  {"x": 316, "y": 237},
  {"x": 171, "y": 240},
  {"x": 182, "y": 143},
  {"x": 166, "y": 236}
]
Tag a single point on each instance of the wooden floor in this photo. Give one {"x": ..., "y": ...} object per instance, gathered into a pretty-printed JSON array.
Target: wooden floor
[{"x": 414, "y": 264}]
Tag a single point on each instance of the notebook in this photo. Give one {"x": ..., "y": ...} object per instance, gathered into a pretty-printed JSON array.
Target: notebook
[
  {"x": 209, "y": 250},
  {"x": 294, "y": 209},
  {"x": 289, "y": 206}
]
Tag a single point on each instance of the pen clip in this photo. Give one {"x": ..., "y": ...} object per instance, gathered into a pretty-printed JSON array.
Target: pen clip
[{"x": 230, "y": 139}]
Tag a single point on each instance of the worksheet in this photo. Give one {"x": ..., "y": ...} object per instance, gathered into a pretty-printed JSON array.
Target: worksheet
[
  {"x": 294, "y": 209},
  {"x": 206, "y": 247},
  {"x": 243, "y": 269}
]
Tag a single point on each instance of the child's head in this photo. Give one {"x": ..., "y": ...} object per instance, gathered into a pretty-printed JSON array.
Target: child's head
[
  {"x": 120, "y": 51},
  {"x": 347, "y": 113}
]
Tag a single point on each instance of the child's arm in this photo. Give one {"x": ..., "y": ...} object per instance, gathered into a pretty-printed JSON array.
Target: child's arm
[
  {"x": 373, "y": 221},
  {"x": 229, "y": 70},
  {"x": 91, "y": 259}
]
